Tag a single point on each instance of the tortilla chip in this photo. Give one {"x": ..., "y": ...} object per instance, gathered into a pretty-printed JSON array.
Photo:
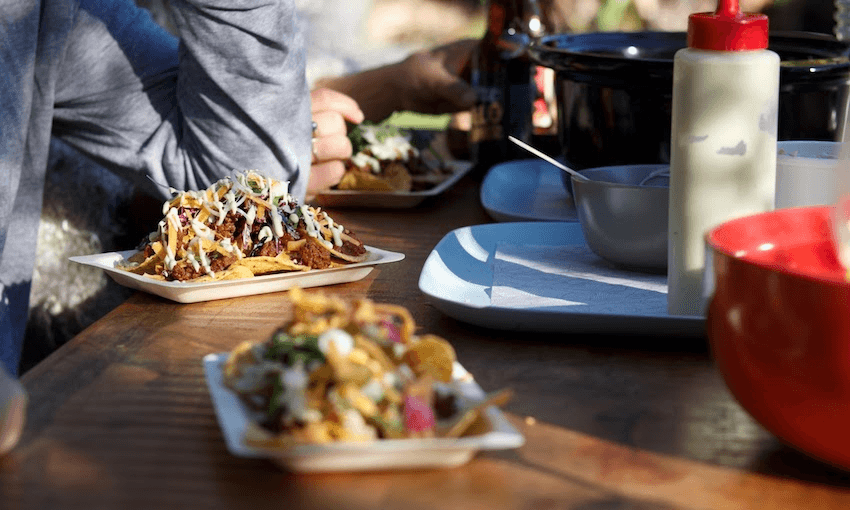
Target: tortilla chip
[
  {"x": 241, "y": 356},
  {"x": 461, "y": 425},
  {"x": 433, "y": 356},
  {"x": 394, "y": 177},
  {"x": 137, "y": 258},
  {"x": 348, "y": 258},
  {"x": 233, "y": 272},
  {"x": 267, "y": 265},
  {"x": 358, "y": 180},
  {"x": 138, "y": 264},
  {"x": 259, "y": 437}
]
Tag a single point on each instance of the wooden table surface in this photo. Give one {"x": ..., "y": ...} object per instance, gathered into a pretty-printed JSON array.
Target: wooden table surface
[{"x": 120, "y": 417}]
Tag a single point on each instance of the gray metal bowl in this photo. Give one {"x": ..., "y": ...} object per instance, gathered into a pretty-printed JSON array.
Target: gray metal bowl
[{"x": 623, "y": 221}]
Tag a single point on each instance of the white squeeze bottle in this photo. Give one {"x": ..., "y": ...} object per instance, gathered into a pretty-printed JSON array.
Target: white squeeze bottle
[{"x": 723, "y": 143}]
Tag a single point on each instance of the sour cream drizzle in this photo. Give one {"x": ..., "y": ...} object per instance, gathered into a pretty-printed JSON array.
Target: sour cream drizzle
[
  {"x": 194, "y": 262},
  {"x": 202, "y": 230},
  {"x": 199, "y": 258},
  {"x": 277, "y": 225},
  {"x": 265, "y": 234},
  {"x": 228, "y": 246},
  {"x": 391, "y": 147},
  {"x": 361, "y": 159},
  {"x": 336, "y": 230},
  {"x": 252, "y": 214},
  {"x": 173, "y": 218},
  {"x": 310, "y": 222},
  {"x": 170, "y": 260}
]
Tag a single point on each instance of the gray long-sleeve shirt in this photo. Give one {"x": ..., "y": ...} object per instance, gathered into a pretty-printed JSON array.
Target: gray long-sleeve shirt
[{"x": 103, "y": 77}]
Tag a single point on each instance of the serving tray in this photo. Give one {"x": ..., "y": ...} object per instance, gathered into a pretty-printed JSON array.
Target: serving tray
[
  {"x": 334, "y": 198},
  {"x": 388, "y": 454},
  {"x": 184, "y": 292},
  {"x": 458, "y": 277}
]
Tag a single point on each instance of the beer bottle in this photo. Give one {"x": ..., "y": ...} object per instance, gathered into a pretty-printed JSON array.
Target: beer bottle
[{"x": 502, "y": 78}]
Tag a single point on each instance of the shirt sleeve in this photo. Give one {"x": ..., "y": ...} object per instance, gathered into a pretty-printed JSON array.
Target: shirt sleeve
[{"x": 231, "y": 94}]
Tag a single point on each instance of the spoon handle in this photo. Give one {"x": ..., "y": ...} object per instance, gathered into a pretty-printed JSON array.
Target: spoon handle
[{"x": 546, "y": 157}]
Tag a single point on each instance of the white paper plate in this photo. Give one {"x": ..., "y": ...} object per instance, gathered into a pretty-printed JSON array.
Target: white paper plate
[
  {"x": 377, "y": 455},
  {"x": 389, "y": 200},
  {"x": 208, "y": 291},
  {"x": 526, "y": 190},
  {"x": 458, "y": 276}
]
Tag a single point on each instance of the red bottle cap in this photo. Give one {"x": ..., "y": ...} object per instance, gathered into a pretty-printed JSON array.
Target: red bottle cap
[{"x": 727, "y": 29}]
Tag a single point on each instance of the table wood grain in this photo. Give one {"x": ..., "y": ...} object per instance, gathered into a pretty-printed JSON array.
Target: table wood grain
[{"x": 120, "y": 417}]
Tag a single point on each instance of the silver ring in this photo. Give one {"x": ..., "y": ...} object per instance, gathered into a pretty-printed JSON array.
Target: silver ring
[{"x": 314, "y": 127}]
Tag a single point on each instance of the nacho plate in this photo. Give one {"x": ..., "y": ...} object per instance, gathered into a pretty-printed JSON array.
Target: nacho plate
[
  {"x": 182, "y": 292},
  {"x": 389, "y": 200},
  {"x": 385, "y": 454}
]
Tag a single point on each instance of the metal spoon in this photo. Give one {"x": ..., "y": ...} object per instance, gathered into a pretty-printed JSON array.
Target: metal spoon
[
  {"x": 661, "y": 172},
  {"x": 547, "y": 158}
]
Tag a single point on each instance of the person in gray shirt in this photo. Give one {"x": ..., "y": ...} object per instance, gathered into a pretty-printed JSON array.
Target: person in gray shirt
[{"x": 230, "y": 94}]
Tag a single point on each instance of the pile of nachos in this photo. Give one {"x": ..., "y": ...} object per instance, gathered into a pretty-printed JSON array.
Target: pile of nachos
[
  {"x": 350, "y": 371},
  {"x": 241, "y": 227}
]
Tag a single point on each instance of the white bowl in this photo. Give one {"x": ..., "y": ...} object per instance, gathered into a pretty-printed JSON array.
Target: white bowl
[{"x": 807, "y": 173}]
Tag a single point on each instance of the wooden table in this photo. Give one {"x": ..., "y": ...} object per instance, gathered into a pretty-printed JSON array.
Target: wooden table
[{"x": 120, "y": 417}]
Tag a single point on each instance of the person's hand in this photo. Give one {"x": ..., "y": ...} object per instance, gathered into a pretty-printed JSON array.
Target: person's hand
[
  {"x": 330, "y": 139},
  {"x": 430, "y": 81}
]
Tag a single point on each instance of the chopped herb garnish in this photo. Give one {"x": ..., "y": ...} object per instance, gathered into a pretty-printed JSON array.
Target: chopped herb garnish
[
  {"x": 382, "y": 132},
  {"x": 289, "y": 350},
  {"x": 255, "y": 186},
  {"x": 274, "y": 400}
]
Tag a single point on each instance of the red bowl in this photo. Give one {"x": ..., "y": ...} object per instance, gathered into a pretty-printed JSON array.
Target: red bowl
[{"x": 779, "y": 326}]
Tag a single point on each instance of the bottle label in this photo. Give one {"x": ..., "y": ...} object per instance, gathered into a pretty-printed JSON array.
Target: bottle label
[{"x": 487, "y": 115}]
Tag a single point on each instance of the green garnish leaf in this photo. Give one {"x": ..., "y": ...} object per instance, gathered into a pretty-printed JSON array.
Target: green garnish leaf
[
  {"x": 382, "y": 132},
  {"x": 279, "y": 345},
  {"x": 289, "y": 350},
  {"x": 274, "y": 400}
]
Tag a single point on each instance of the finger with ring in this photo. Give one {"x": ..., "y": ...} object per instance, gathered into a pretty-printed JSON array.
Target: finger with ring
[
  {"x": 329, "y": 124},
  {"x": 328, "y": 148}
]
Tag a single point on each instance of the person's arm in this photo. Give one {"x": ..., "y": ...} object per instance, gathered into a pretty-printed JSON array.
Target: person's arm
[
  {"x": 426, "y": 82},
  {"x": 232, "y": 95}
]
